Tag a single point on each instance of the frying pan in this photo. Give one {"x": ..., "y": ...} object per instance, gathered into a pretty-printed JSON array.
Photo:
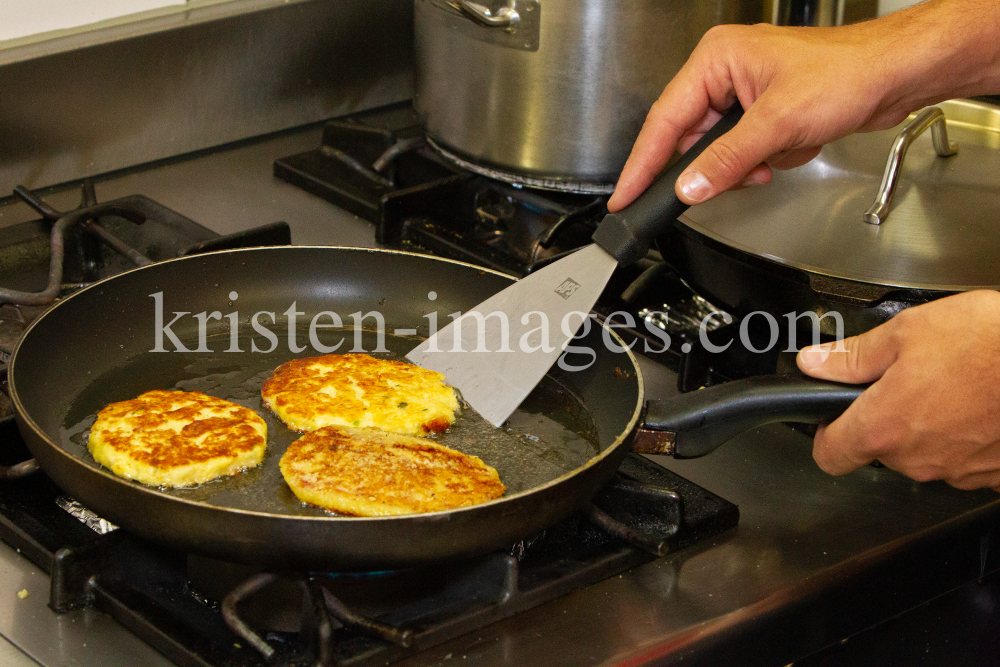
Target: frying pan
[{"x": 97, "y": 347}]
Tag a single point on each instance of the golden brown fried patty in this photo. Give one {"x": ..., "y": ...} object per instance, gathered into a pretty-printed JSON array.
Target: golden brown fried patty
[
  {"x": 366, "y": 472},
  {"x": 361, "y": 391},
  {"x": 177, "y": 438}
]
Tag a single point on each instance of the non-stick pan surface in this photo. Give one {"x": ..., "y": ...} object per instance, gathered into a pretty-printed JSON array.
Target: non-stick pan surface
[{"x": 98, "y": 347}]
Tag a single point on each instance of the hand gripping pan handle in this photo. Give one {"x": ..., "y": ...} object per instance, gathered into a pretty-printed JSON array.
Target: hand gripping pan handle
[
  {"x": 707, "y": 418},
  {"x": 627, "y": 234}
]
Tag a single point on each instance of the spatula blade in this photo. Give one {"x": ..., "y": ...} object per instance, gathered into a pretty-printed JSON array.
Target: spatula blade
[{"x": 510, "y": 341}]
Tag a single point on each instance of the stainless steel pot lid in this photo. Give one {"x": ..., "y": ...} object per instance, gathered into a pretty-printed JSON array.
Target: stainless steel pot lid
[{"x": 942, "y": 229}]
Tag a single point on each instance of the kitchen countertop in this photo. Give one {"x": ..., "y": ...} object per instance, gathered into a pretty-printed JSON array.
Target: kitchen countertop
[{"x": 814, "y": 559}]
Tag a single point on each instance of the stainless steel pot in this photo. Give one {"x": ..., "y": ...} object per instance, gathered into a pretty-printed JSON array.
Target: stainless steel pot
[{"x": 552, "y": 93}]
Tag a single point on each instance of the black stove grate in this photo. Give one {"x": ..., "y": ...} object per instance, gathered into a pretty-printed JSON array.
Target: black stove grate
[
  {"x": 359, "y": 166},
  {"x": 64, "y": 251}
]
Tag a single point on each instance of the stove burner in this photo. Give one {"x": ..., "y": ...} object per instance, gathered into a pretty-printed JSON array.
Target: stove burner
[
  {"x": 489, "y": 223},
  {"x": 383, "y": 171}
]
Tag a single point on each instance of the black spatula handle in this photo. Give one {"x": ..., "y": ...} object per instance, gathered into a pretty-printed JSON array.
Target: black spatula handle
[
  {"x": 707, "y": 418},
  {"x": 628, "y": 233}
]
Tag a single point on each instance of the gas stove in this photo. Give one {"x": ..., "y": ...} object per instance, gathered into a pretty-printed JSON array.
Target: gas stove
[{"x": 813, "y": 560}]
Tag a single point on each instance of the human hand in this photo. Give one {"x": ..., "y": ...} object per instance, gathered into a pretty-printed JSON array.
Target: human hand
[
  {"x": 933, "y": 411},
  {"x": 804, "y": 87}
]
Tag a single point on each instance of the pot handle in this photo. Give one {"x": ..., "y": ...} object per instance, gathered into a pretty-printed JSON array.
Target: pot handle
[
  {"x": 700, "y": 421},
  {"x": 627, "y": 234},
  {"x": 931, "y": 117},
  {"x": 506, "y": 16}
]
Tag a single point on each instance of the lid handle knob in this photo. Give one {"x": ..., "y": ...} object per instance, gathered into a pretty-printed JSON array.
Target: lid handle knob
[{"x": 931, "y": 117}]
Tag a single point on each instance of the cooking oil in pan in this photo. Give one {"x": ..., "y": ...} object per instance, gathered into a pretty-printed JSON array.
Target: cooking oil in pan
[{"x": 550, "y": 435}]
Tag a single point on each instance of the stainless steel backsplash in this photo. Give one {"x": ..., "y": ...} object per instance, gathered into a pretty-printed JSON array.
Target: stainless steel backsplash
[{"x": 119, "y": 96}]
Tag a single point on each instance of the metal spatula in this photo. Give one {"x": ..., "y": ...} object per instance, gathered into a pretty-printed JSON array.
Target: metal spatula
[{"x": 497, "y": 352}]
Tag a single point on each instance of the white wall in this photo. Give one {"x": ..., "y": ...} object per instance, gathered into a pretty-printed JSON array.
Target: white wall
[{"x": 19, "y": 18}]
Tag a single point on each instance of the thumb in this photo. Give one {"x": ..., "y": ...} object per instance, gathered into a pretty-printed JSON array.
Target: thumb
[
  {"x": 854, "y": 360},
  {"x": 727, "y": 161}
]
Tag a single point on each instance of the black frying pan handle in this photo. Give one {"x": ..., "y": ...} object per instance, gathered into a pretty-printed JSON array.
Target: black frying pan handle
[
  {"x": 707, "y": 418},
  {"x": 627, "y": 234}
]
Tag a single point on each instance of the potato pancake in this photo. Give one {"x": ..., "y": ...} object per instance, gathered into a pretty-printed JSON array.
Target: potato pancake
[
  {"x": 177, "y": 438},
  {"x": 361, "y": 391},
  {"x": 367, "y": 472}
]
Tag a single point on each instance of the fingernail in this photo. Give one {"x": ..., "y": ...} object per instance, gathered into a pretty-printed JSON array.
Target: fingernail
[
  {"x": 747, "y": 183},
  {"x": 695, "y": 186},
  {"x": 814, "y": 355}
]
